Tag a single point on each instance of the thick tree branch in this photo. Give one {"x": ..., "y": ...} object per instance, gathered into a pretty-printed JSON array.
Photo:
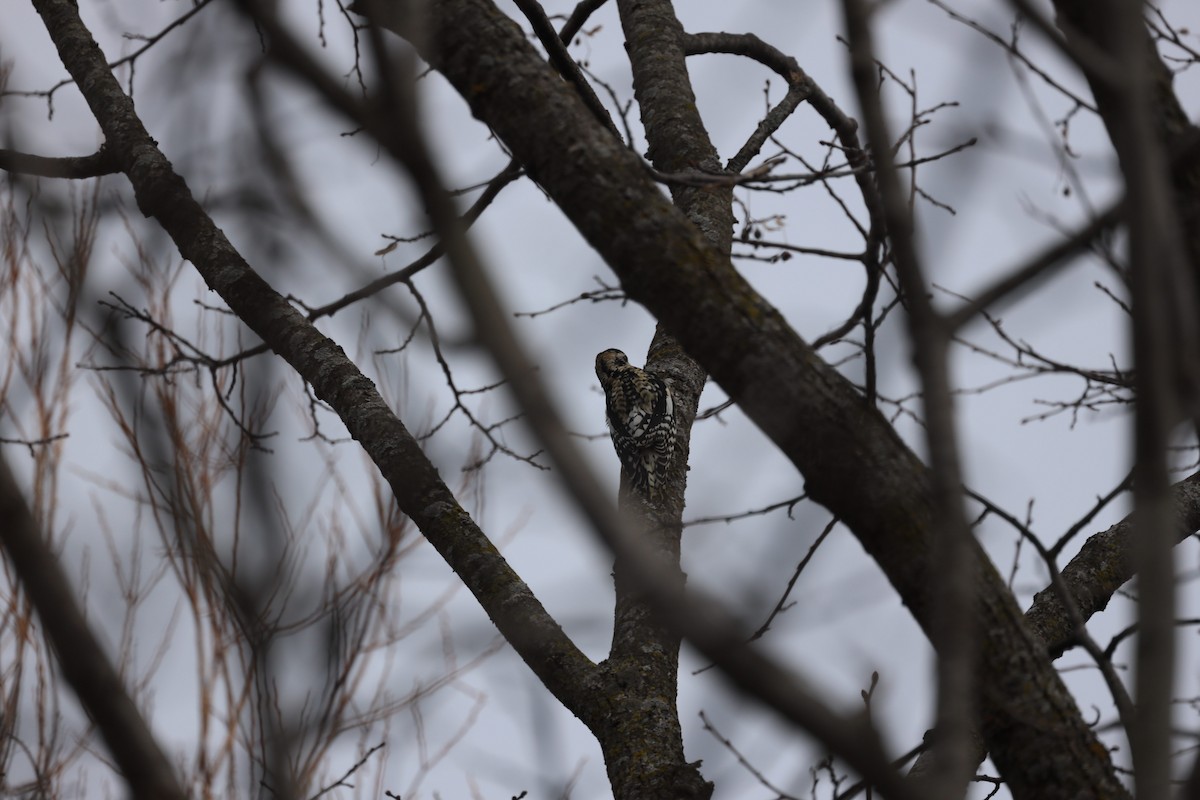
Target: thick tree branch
[
  {"x": 642, "y": 644},
  {"x": 853, "y": 461}
]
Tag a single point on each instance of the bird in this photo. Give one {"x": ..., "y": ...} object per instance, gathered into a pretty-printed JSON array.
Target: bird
[{"x": 640, "y": 412}]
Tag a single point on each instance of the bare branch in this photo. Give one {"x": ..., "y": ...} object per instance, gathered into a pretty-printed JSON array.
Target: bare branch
[
  {"x": 130, "y": 60},
  {"x": 1024, "y": 278},
  {"x": 93, "y": 166},
  {"x": 782, "y": 605},
  {"x": 954, "y": 626},
  {"x": 1016, "y": 53},
  {"x": 741, "y": 759}
]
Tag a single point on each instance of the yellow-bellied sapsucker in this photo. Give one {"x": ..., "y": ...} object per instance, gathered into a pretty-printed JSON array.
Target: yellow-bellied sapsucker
[{"x": 641, "y": 420}]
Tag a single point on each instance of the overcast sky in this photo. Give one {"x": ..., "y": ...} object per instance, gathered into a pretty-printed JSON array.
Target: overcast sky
[{"x": 1008, "y": 195}]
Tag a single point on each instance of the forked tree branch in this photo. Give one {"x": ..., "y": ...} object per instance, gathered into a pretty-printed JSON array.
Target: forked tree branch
[
  {"x": 853, "y": 461},
  {"x": 556, "y": 46}
]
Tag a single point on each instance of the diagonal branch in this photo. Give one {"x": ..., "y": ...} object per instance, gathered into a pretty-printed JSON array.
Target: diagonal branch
[
  {"x": 83, "y": 661},
  {"x": 1039, "y": 268},
  {"x": 555, "y": 45},
  {"x": 162, "y": 194},
  {"x": 1103, "y": 565}
]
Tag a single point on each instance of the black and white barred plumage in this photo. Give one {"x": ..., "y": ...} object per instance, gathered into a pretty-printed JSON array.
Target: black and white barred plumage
[{"x": 641, "y": 420}]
